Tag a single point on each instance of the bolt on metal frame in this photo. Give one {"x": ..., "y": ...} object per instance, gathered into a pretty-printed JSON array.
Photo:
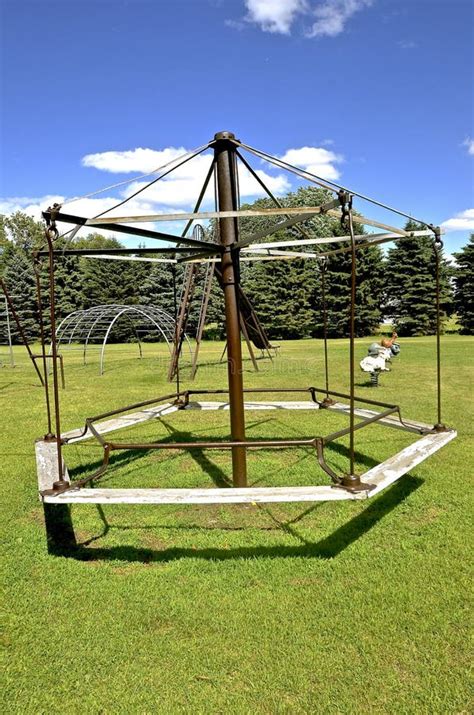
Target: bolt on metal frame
[{"x": 227, "y": 252}]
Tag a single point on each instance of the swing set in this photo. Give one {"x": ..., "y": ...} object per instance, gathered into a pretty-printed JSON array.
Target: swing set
[{"x": 225, "y": 252}]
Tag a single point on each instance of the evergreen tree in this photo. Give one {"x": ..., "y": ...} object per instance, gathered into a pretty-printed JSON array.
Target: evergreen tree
[
  {"x": 107, "y": 282},
  {"x": 288, "y": 295},
  {"x": 410, "y": 280},
  {"x": 20, "y": 282},
  {"x": 103, "y": 282},
  {"x": 4, "y": 243},
  {"x": 464, "y": 286},
  {"x": 67, "y": 282},
  {"x": 157, "y": 286}
]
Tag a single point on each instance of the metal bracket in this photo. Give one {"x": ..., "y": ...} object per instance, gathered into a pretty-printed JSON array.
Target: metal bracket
[{"x": 357, "y": 485}]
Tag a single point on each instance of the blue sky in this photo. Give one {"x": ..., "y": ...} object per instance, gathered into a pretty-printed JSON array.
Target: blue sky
[{"x": 377, "y": 94}]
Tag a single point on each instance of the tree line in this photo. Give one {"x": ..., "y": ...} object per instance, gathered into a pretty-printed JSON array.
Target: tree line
[{"x": 397, "y": 286}]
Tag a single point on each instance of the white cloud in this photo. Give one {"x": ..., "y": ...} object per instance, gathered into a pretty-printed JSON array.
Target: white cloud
[
  {"x": 469, "y": 143},
  {"x": 139, "y": 160},
  {"x": 317, "y": 160},
  {"x": 275, "y": 16},
  {"x": 182, "y": 190},
  {"x": 279, "y": 16},
  {"x": 463, "y": 221},
  {"x": 182, "y": 186},
  {"x": 173, "y": 194},
  {"x": 34, "y": 206},
  {"x": 235, "y": 24},
  {"x": 332, "y": 15},
  {"x": 407, "y": 44}
]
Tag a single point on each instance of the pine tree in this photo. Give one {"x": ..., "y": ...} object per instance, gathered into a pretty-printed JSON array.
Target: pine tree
[
  {"x": 157, "y": 286},
  {"x": 411, "y": 285},
  {"x": 288, "y": 295},
  {"x": 20, "y": 282},
  {"x": 464, "y": 286}
]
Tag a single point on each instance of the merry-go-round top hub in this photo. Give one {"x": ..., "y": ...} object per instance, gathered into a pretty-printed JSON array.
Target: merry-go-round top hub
[{"x": 227, "y": 252}]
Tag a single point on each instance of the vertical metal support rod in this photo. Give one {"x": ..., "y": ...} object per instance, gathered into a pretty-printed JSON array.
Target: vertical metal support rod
[
  {"x": 39, "y": 302},
  {"x": 325, "y": 321},
  {"x": 439, "y": 426},
  {"x": 9, "y": 334},
  {"x": 176, "y": 350},
  {"x": 54, "y": 351},
  {"x": 224, "y": 151},
  {"x": 327, "y": 400},
  {"x": 61, "y": 364},
  {"x": 352, "y": 480},
  {"x": 352, "y": 350}
]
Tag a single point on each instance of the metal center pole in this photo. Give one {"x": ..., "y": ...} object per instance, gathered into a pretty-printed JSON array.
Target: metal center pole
[{"x": 225, "y": 157}]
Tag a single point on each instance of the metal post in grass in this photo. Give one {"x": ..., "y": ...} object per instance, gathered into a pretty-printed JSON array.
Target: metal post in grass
[
  {"x": 352, "y": 480},
  {"x": 224, "y": 152}
]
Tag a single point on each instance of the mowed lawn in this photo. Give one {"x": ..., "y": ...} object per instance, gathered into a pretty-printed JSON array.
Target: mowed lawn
[{"x": 347, "y": 607}]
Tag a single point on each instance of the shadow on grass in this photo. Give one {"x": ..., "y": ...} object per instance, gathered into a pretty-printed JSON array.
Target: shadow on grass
[
  {"x": 61, "y": 541},
  {"x": 128, "y": 456}
]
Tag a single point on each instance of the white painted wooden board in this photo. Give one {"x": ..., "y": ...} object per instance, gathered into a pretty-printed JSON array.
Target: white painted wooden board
[
  {"x": 201, "y": 496},
  {"x": 394, "y": 467},
  {"x": 390, "y": 421},
  {"x": 120, "y": 422},
  {"x": 382, "y": 476},
  {"x": 307, "y": 405},
  {"x": 129, "y": 420},
  {"x": 47, "y": 464},
  {"x": 257, "y": 405}
]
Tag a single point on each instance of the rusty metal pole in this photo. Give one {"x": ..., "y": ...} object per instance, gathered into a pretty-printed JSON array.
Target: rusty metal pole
[
  {"x": 61, "y": 483},
  {"x": 352, "y": 480},
  {"x": 224, "y": 151},
  {"x": 328, "y": 401},
  {"x": 39, "y": 302},
  {"x": 438, "y": 247}
]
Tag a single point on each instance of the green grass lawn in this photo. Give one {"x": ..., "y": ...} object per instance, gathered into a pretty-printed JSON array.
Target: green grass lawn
[{"x": 343, "y": 607}]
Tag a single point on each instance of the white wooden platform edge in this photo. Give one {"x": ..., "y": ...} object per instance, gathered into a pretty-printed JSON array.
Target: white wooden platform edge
[
  {"x": 160, "y": 411},
  {"x": 382, "y": 476}
]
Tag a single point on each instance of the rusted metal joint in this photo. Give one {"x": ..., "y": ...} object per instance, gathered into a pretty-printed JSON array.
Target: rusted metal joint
[
  {"x": 343, "y": 197},
  {"x": 319, "y": 444},
  {"x": 182, "y": 400},
  {"x": 437, "y": 235},
  {"x": 345, "y": 201},
  {"x": 439, "y": 427},
  {"x": 51, "y": 230},
  {"x": 351, "y": 483},
  {"x": 312, "y": 391},
  {"x": 61, "y": 485}
]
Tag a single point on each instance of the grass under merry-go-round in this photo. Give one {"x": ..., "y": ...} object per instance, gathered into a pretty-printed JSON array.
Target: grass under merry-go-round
[{"x": 265, "y": 608}]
